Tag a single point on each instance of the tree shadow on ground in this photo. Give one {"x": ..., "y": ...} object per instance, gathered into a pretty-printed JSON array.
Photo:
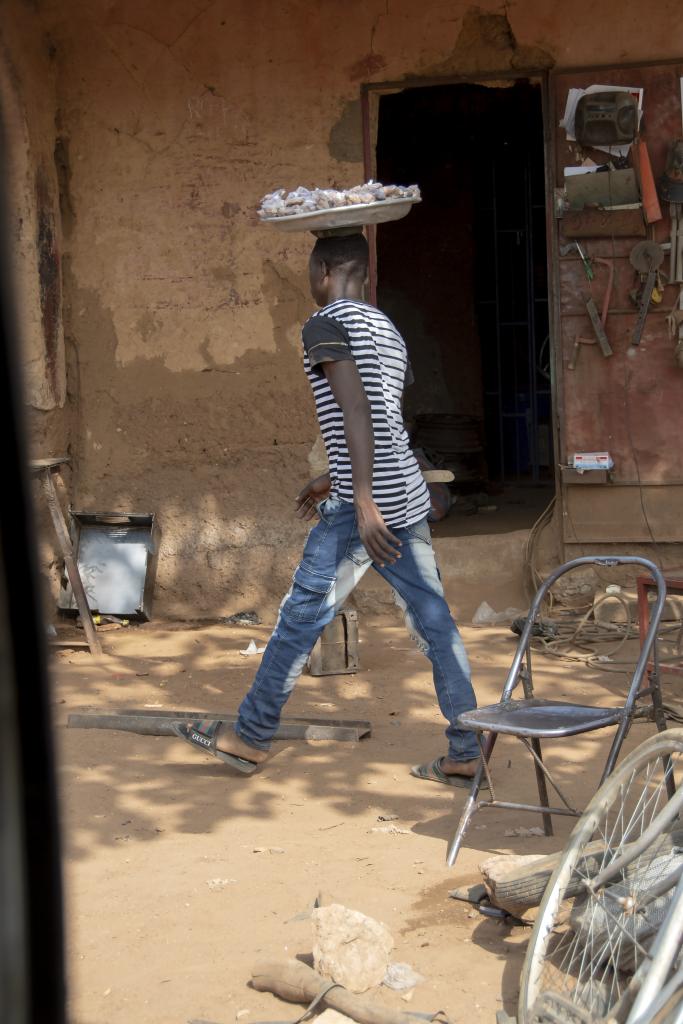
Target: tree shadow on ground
[{"x": 191, "y": 669}]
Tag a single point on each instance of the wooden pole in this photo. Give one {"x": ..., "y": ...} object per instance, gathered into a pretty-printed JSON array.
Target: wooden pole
[{"x": 70, "y": 563}]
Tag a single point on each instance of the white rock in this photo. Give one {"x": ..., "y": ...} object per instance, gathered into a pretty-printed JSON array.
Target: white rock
[
  {"x": 330, "y": 1016},
  {"x": 349, "y": 947},
  {"x": 216, "y": 884},
  {"x": 525, "y": 833},
  {"x": 402, "y": 977}
]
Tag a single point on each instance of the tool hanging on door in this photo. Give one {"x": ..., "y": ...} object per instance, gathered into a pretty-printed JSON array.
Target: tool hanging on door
[
  {"x": 675, "y": 324},
  {"x": 646, "y": 258},
  {"x": 670, "y": 187},
  {"x": 641, "y": 158},
  {"x": 676, "y": 253},
  {"x": 598, "y": 321},
  {"x": 565, "y": 250}
]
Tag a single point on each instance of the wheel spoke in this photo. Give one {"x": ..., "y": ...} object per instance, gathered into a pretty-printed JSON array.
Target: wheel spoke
[{"x": 587, "y": 947}]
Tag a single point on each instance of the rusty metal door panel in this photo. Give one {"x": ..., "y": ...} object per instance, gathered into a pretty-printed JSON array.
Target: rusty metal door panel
[
  {"x": 623, "y": 515},
  {"x": 575, "y": 289},
  {"x": 632, "y": 408},
  {"x": 630, "y": 404}
]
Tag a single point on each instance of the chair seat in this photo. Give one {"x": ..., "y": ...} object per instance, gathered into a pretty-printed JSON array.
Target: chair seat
[{"x": 535, "y": 717}]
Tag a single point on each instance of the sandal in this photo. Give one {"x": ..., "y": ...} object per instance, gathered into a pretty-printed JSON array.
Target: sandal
[
  {"x": 201, "y": 734},
  {"x": 433, "y": 772}
]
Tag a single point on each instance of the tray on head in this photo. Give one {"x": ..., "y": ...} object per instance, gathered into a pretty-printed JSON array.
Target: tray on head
[{"x": 357, "y": 215}]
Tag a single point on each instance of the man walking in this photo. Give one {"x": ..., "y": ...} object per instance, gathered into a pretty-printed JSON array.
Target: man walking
[{"x": 372, "y": 504}]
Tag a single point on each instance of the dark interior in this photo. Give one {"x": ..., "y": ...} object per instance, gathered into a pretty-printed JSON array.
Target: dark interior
[{"x": 464, "y": 277}]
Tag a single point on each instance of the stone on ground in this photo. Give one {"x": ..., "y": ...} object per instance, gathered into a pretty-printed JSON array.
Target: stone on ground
[{"x": 350, "y": 948}]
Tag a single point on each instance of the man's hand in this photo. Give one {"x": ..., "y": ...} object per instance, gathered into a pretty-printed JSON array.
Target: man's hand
[
  {"x": 378, "y": 540},
  {"x": 311, "y": 495}
]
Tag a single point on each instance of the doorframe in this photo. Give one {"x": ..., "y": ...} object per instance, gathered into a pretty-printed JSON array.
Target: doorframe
[{"x": 370, "y": 95}]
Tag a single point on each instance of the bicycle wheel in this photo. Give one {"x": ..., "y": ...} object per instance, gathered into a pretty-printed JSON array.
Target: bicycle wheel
[{"x": 593, "y": 932}]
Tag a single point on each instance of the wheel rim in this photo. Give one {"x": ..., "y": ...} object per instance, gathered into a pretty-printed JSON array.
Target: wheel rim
[{"x": 586, "y": 944}]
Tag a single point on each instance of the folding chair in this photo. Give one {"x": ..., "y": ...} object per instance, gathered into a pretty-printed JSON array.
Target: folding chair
[{"x": 532, "y": 719}]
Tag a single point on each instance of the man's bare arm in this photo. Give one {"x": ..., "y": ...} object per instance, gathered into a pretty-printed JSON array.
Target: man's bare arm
[{"x": 349, "y": 393}]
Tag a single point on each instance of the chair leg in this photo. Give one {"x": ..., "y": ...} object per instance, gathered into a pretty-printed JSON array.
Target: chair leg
[
  {"x": 617, "y": 743},
  {"x": 657, "y": 705},
  {"x": 468, "y": 813},
  {"x": 542, "y": 788},
  {"x": 660, "y": 721},
  {"x": 470, "y": 808}
]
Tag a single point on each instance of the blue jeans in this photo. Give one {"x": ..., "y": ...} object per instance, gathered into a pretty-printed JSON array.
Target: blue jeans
[{"x": 334, "y": 560}]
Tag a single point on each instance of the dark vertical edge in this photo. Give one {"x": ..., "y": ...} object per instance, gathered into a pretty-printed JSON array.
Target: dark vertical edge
[
  {"x": 371, "y": 229},
  {"x": 549, "y": 89},
  {"x": 496, "y": 291},
  {"x": 531, "y": 320},
  {"x": 24, "y": 675}
]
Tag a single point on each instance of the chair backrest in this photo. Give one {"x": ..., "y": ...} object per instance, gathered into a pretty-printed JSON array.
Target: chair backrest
[{"x": 649, "y": 645}]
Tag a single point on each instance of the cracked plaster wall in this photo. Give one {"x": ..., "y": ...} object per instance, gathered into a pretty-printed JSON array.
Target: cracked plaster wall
[
  {"x": 31, "y": 195},
  {"x": 182, "y": 313},
  {"x": 27, "y": 98}
]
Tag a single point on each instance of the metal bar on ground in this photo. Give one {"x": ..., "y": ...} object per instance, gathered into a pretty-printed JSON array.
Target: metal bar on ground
[{"x": 153, "y": 722}]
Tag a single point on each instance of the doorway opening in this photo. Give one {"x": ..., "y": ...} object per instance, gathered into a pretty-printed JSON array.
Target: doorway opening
[{"x": 464, "y": 277}]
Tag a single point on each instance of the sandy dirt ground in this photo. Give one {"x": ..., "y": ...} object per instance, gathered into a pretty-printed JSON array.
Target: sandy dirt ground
[{"x": 149, "y": 826}]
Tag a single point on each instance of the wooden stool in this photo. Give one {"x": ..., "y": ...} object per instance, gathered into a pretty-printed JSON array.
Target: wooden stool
[{"x": 43, "y": 469}]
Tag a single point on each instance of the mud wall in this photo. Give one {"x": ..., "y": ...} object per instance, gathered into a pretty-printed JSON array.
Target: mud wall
[
  {"x": 30, "y": 157},
  {"x": 28, "y": 100},
  {"x": 183, "y": 314}
]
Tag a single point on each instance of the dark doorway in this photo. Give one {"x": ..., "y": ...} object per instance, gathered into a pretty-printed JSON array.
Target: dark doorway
[{"x": 464, "y": 277}]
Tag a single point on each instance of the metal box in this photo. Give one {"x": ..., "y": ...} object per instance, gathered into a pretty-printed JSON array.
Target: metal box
[
  {"x": 117, "y": 561},
  {"x": 336, "y": 652},
  {"x": 608, "y": 188}
]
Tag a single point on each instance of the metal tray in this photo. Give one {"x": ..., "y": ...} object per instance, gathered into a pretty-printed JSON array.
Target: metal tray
[
  {"x": 117, "y": 561},
  {"x": 344, "y": 216}
]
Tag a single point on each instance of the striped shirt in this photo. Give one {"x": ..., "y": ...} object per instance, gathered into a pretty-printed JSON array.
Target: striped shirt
[{"x": 349, "y": 329}]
